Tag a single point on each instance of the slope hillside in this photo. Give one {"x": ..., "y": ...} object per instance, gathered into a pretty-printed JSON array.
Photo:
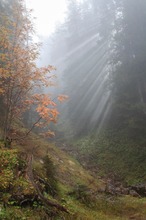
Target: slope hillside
[{"x": 39, "y": 181}]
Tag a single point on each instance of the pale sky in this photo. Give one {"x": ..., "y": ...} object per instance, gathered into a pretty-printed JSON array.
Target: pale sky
[{"x": 48, "y": 13}]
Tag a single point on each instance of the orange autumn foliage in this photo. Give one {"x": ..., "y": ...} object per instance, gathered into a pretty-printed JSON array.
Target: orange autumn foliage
[{"x": 19, "y": 75}]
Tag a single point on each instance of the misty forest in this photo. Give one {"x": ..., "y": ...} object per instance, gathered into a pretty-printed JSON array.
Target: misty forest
[{"x": 73, "y": 112}]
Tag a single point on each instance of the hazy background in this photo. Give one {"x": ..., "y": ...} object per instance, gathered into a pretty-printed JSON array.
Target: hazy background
[{"x": 97, "y": 48}]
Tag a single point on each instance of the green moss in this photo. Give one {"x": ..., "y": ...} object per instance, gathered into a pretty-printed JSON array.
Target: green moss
[
  {"x": 114, "y": 152},
  {"x": 77, "y": 189}
]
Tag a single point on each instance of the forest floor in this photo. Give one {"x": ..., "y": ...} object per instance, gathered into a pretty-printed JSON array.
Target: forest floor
[{"x": 76, "y": 189}]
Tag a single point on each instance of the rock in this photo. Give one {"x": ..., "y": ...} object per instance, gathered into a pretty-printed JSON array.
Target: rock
[
  {"x": 140, "y": 189},
  {"x": 136, "y": 217},
  {"x": 134, "y": 193},
  {"x": 110, "y": 189},
  {"x": 102, "y": 189},
  {"x": 125, "y": 191},
  {"x": 114, "y": 187}
]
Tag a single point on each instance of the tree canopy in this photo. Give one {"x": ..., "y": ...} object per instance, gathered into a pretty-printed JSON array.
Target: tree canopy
[{"x": 20, "y": 78}]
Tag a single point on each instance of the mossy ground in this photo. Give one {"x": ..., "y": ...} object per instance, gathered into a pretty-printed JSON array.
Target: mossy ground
[
  {"x": 77, "y": 188},
  {"x": 120, "y": 209}
]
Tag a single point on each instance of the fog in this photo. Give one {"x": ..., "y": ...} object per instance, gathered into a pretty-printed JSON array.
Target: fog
[
  {"x": 97, "y": 48},
  {"x": 81, "y": 157}
]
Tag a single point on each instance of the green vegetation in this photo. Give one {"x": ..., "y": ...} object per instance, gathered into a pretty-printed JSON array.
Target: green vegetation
[
  {"x": 114, "y": 153},
  {"x": 39, "y": 181},
  {"x": 69, "y": 185}
]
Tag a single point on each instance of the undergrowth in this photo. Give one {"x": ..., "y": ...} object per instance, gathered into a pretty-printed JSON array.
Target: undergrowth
[{"x": 62, "y": 180}]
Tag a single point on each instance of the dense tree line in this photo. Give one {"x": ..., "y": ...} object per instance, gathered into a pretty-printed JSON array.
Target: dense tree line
[
  {"x": 85, "y": 43},
  {"x": 103, "y": 65},
  {"x": 129, "y": 68}
]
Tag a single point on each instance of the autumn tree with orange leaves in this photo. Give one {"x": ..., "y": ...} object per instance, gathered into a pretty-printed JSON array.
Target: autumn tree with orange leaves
[{"x": 19, "y": 74}]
